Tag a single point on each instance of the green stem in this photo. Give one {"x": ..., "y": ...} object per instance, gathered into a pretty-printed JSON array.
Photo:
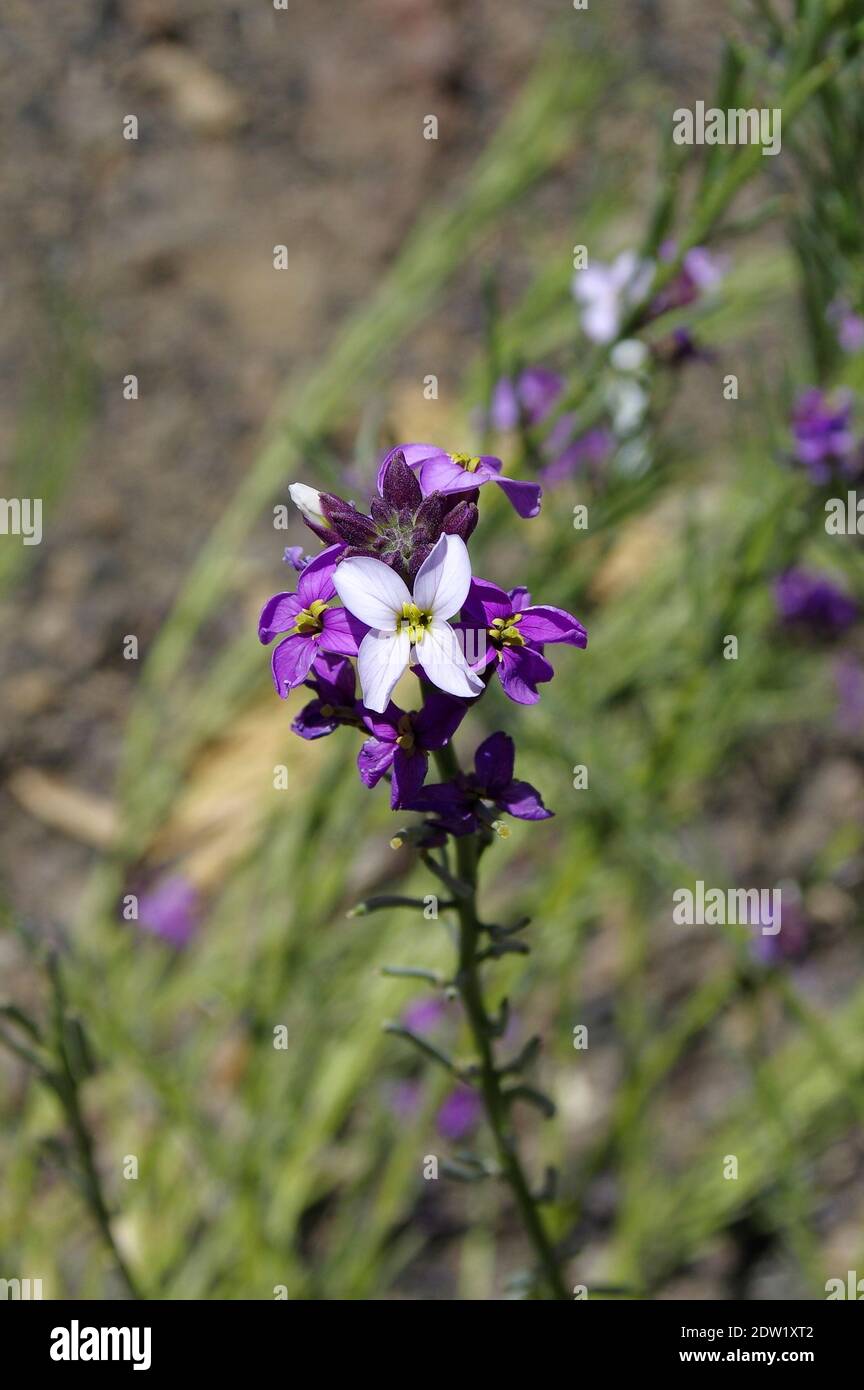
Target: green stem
[
  {"x": 495, "y": 1105},
  {"x": 68, "y": 1094},
  {"x": 65, "y": 1085}
]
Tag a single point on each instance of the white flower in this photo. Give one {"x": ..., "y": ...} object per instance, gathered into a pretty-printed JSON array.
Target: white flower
[
  {"x": 409, "y": 628},
  {"x": 605, "y": 291},
  {"x": 308, "y": 503}
]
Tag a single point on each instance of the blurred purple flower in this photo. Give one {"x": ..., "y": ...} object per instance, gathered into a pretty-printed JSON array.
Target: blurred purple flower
[
  {"x": 423, "y": 1014},
  {"x": 848, "y": 324},
  {"x": 823, "y": 436},
  {"x": 568, "y": 456},
  {"x": 405, "y": 1099},
  {"x": 460, "y": 1114},
  {"x": 700, "y": 273},
  {"x": 849, "y": 682},
  {"x": 171, "y": 910},
  {"x": 813, "y": 601},
  {"x": 791, "y": 941},
  {"x": 679, "y": 348},
  {"x": 527, "y": 400}
]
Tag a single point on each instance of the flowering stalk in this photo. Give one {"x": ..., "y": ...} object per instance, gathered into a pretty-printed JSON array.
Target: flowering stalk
[
  {"x": 410, "y": 603},
  {"x": 495, "y": 1101}
]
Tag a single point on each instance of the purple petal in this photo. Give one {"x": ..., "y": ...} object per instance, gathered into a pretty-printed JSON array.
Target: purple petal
[
  {"x": 486, "y": 601},
  {"x": 522, "y": 800},
  {"x": 413, "y": 455},
  {"x": 523, "y": 497},
  {"x": 441, "y": 474},
  {"x": 316, "y": 579},
  {"x": 341, "y": 632},
  {"x": 544, "y": 624},
  {"x": 334, "y": 677},
  {"x": 409, "y": 773},
  {"x": 290, "y": 663},
  {"x": 441, "y": 799},
  {"x": 521, "y": 670},
  {"x": 494, "y": 762},
  {"x": 278, "y": 615},
  {"x": 438, "y": 720},
  {"x": 311, "y": 722},
  {"x": 373, "y": 760}
]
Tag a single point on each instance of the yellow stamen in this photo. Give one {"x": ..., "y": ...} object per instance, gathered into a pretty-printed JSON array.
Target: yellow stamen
[
  {"x": 466, "y": 461},
  {"x": 415, "y": 621},
  {"x": 308, "y": 621},
  {"x": 506, "y": 631}
]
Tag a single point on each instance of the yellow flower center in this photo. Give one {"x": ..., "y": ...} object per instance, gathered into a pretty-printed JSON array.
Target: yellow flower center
[
  {"x": 308, "y": 620},
  {"x": 415, "y": 621},
  {"x": 505, "y": 632},
  {"x": 466, "y": 461}
]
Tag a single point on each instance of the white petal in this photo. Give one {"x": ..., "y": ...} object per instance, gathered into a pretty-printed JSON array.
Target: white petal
[
  {"x": 444, "y": 578},
  {"x": 308, "y": 503},
  {"x": 381, "y": 660},
  {"x": 442, "y": 659},
  {"x": 371, "y": 591}
]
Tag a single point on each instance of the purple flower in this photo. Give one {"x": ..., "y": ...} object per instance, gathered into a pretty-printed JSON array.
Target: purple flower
[
  {"x": 700, "y": 273},
  {"x": 458, "y": 805},
  {"x": 527, "y": 400},
  {"x": 401, "y": 743},
  {"x": 813, "y": 601},
  {"x": 568, "y": 456},
  {"x": 455, "y": 474},
  {"x": 312, "y": 626},
  {"x": 514, "y": 635},
  {"x": 170, "y": 910},
  {"x": 849, "y": 325},
  {"x": 406, "y": 1097},
  {"x": 335, "y": 702},
  {"x": 849, "y": 682},
  {"x": 823, "y": 438},
  {"x": 422, "y": 1014},
  {"x": 791, "y": 941},
  {"x": 679, "y": 348},
  {"x": 461, "y": 1113}
]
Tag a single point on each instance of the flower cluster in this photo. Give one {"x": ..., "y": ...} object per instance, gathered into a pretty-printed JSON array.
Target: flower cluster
[{"x": 408, "y": 601}]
